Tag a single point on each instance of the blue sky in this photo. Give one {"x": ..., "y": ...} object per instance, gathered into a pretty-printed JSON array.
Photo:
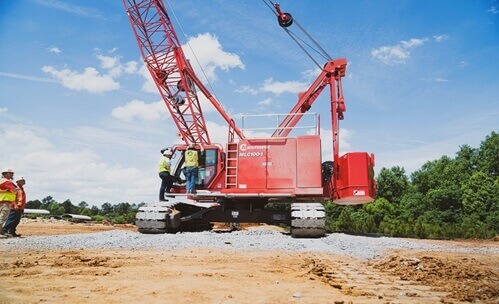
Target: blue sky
[{"x": 80, "y": 118}]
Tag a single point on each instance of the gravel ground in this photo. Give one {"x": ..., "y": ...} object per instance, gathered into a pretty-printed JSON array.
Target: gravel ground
[{"x": 360, "y": 247}]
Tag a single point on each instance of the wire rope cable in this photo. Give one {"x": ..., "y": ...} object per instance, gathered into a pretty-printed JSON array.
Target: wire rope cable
[{"x": 297, "y": 39}]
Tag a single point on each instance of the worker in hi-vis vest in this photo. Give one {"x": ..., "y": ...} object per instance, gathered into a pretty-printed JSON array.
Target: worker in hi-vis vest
[
  {"x": 8, "y": 194},
  {"x": 164, "y": 171},
  {"x": 191, "y": 168}
]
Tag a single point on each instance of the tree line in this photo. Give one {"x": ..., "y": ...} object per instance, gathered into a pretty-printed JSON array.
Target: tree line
[
  {"x": 121, "y": 213},
  {"x": 446, "y": 198}
]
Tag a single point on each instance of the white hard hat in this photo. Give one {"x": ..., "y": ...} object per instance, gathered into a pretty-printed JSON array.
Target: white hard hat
[
  {"x": 7, "y": 170},
  {"x": 192, "y": 146},
  {"x": 167, "y": 152},
  {"x": 20, "y": 179}
]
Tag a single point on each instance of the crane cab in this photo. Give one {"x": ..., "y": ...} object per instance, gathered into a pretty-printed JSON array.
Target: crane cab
[{"x": 211, "y": 163}]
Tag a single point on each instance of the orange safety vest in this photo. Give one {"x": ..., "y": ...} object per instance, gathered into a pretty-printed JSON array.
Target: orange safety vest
[{"x": 7, "y": 196}]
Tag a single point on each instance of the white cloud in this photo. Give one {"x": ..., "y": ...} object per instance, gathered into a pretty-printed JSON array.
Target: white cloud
[
  {"x": 441, "y": 38},
  {"x": 397, "y": 53},
  {"x": 72, "y": 9},
  {"x": 311, "y": 75},
  {"x": 90, "y": 80},
  {"x": 205, "y": 103},
  {"x": 265, "y": 102},
  {"x": 413, "y": 42},
  {"x": 3, "y": 110},
  {"x": 113, "y": 50},
  {"x": 246, "y": 89},
  {"x": 139, "y": 110},
  {"x": 278, "y": 87},
  {"x": 463, "y": 63},
  {"x": 493, "y": 10},
  {"x": 211, "y": 55},
  {"x": 327, "y": 142},
  {"x": 436, "y": 79},
  {"x": 131, "y": 67},
  {"x": 65, "y": 170},
  {"x": 54, "y": 49},
  {"x": 25, "y": 139},
  {"x": 149, "y": 85},
  {"x": 107, "y": 62},
  {"x": 218, "y": 133},
  {"x": 115, "y": 67},
  {"x": 30, "y": 78}
]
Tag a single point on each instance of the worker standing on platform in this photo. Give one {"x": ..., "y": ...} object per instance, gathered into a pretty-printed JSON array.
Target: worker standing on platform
[
  {"x": 8, "y": 192},
  {"x": 164, "y": 171},
  {"x": 16, "y": 210},
  {"x": 191, "y": 168}
]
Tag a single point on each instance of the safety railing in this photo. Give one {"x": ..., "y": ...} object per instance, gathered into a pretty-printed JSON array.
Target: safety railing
[{"x": 264, "y": 125}]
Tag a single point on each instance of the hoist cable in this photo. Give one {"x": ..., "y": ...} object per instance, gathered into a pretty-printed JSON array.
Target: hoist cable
[
  {"x": 304, "y": 50},
  {"x": 313, "y": 40},
  {"x": 270, "y": 7},
  {"x": 320, "y": 51},
  {"x": 325, "y": 56}
]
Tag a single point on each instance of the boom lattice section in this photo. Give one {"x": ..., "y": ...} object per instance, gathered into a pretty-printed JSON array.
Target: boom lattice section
[{"x": 170, "y": 70}]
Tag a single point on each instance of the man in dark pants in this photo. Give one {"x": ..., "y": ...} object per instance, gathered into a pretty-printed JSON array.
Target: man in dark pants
[
  {"x": 16, "y": 210},
  {"x": 164, "y": 168}
]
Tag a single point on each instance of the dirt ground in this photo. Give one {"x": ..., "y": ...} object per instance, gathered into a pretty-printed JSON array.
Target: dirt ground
[{"x": 205, "y": 275}]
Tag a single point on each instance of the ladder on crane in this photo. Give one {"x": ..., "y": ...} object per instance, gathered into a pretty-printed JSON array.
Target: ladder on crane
[{"x": 231, "y": 163}]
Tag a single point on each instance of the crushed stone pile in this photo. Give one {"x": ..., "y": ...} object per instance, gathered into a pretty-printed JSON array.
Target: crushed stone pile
[{"x": 359, "y": 247}]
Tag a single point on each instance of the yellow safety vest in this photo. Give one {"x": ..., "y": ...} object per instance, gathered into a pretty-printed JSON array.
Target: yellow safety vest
[
  {"x": 191, "y": 158},
  {"x": 7, "y": 196},
  {"x": 164, "y": 164}
]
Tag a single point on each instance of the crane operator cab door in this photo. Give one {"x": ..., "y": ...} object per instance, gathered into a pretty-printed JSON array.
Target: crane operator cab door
[{"x": 209, "y": 168}]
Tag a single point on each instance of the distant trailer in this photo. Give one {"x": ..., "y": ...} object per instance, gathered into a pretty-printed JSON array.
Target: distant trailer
[
  {"x": 77, "y": 217},
  {"x": 36, "y": 211}
]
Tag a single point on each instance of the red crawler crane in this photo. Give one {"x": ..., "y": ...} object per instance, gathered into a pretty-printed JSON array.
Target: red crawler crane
[{"x": 236, "y": 182}]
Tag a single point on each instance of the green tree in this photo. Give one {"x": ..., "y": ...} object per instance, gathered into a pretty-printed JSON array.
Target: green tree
[
  {"x": 36, "y": 204},
  {"x": 392, "y": 184},
  {"x": 478, "y": 195},
  {"x": 94, "y": 210},
  {"x": 380, "y": 209},
  {"x": 85, "y": 211},
  {"x": 106, "y": 208},
  {"x": 488, "y": 155},
  {"x": 345, "y": 222},
  {"x": 82, "y": 205},
  {"x": 46, "y": 202},
  {"x": 122, "y": 208},
  {"x": 69, "y": 207},
  {"x": 412, "y": 206},
  {"x": 431, "y": 175},
  {"x": 55, "y": 208}
]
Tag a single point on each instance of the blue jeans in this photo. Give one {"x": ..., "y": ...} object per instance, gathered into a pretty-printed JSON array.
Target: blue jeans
[
  {"x": 191, "y": 175},
  {"x": 12, "y": 221}
]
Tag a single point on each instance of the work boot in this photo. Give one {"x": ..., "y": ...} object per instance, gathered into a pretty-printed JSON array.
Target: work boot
[
  {"x": 13, "y": 235},
  {"x": 3, "y": 236}
]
